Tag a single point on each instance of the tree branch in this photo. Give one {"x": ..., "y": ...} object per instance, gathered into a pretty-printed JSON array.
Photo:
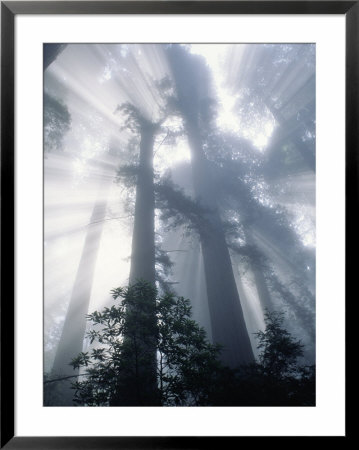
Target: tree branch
[{"x": 66, "y": 378}]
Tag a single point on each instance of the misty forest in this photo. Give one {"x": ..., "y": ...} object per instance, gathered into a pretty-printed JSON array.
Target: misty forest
[{"x": 179, "y": 224}]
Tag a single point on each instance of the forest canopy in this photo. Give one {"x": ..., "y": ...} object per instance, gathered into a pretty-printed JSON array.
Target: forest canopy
[{"x": 190, "y": 168}]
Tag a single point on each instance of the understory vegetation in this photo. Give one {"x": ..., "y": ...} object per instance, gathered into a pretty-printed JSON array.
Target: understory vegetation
[{"x": 188, "y": 369}]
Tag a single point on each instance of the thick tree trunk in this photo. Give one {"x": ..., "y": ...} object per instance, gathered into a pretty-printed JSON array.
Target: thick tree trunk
[
  {"x": 143, "y": 239},
  {"x": 227, "y": 320},
  {"x": 73, "y": 333},
  {"x": 141, "y": 388}
]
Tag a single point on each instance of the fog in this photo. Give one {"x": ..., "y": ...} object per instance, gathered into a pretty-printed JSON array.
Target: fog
[{"x": 224, "y": 213}]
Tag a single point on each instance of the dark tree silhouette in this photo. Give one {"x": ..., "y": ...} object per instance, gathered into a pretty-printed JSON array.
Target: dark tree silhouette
[
  {"x": 277, "y": 379},
  {"x": 189, "y": 372},
  {"x": 187, "y": 363}
]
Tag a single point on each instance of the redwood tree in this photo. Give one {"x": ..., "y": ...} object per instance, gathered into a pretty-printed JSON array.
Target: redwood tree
[{"x": 227, "y": 320}]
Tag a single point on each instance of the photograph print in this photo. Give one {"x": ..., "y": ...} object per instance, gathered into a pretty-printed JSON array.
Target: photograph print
[{"x": 179, "y": 224}]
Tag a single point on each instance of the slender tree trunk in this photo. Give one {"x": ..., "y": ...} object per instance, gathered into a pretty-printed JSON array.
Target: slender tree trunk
[
  {"x": 227, "y": 320},
  {"x": 73, "y": 333}
]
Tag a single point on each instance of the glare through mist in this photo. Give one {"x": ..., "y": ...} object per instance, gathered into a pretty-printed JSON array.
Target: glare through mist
[{"x": 258, "y": 131}]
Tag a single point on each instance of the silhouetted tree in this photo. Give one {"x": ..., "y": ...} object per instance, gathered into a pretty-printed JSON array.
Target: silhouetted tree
[
  {"x": 277, "y": 379},
  {"x": 114, "y": 374},
  {"x": 143, "y": 255},
  {"x": 189, "y": 372}
]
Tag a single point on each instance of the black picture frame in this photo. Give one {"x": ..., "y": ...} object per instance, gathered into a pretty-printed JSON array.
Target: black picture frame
[{"x": 9, "y": 9}]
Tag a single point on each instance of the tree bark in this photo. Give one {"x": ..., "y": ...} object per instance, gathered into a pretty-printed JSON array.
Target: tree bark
[
  {"x": 137, "y": 392},
  {"x": 227, "y": 320},
  {"x": 143, "y": 239}
]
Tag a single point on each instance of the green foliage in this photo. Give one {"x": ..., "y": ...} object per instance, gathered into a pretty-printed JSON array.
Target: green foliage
[
  {"x": 57, "y": 122},
  {"x": 127, "y": 337},
  {"x": 127, "y": 175},
  {"x": 145, "y": 327},
  {"x": 188, "y": 363},
  {"x": 134, "y": 120},
  {"x": 300, "y": 306},
  {"x": 279, "y": 351},
  {"x": 277, "y": 379},
  {"x": 178, "y": 209}
]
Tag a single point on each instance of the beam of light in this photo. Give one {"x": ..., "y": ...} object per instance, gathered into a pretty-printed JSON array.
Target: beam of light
[
  {"x": 248, "y": 295},
  {"x": 168, "y": 156},
  {"x": 93, "y": 80},
  {"x": 188, "y": 274},
  {"x": 297, "y": 194},
  {"x": 216, "y": 55}
]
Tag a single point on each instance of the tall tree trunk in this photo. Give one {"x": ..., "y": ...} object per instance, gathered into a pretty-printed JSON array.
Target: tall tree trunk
[
  {"x": 73, "y": 333},
  {"x": 227, "y": 320},
  {"x": 138, "y": 392},
  {"x": 143, "y": 239}
]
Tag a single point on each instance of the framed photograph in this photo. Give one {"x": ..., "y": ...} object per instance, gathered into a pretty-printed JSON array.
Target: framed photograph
[{"x": 175, "y": 187}]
